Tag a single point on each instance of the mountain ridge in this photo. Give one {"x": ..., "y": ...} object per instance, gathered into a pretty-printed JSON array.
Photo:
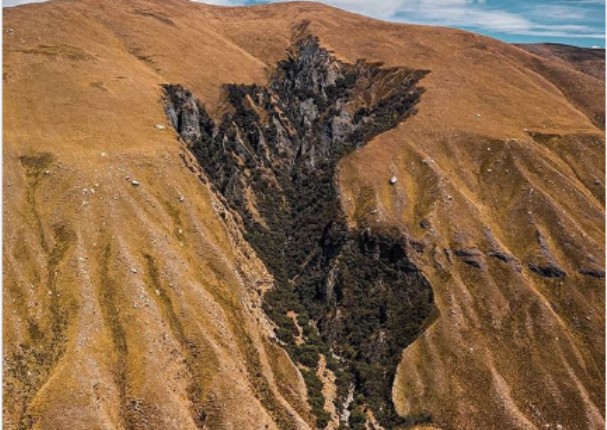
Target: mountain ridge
[{"x": 149, "y": 295}]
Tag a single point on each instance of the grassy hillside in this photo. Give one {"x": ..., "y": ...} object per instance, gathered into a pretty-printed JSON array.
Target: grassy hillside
[{"x": 135, "y": 305}]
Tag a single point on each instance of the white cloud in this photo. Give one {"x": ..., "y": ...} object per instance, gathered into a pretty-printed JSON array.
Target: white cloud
[
  {"x": 538, "y": 20},
  {"x": 378, "y": 9},
  {"x": 598, "y": 2},
  {"x": 8, "y": 3},
  {"x": 555, "y": 12},
  {"x": 461, "y": 15}
]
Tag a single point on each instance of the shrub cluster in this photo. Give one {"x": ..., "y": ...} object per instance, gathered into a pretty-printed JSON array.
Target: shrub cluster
[{"x": 356, "y": 294}]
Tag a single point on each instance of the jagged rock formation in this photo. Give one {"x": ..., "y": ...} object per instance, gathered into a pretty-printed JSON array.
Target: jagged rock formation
[{"x": 273, "y": 159}]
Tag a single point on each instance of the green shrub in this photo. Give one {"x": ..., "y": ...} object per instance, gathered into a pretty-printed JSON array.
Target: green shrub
[{"x": 377, "y": 289}]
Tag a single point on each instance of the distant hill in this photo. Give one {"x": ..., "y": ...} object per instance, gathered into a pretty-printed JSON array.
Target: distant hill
[{"x": 587, "y": 60}]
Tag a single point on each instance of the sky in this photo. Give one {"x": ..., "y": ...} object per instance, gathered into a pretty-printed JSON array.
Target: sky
[{"x": 574, "y": 22}]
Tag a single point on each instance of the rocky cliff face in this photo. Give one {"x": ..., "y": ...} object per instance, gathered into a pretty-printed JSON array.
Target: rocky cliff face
[{"x": 273, "y": 158}]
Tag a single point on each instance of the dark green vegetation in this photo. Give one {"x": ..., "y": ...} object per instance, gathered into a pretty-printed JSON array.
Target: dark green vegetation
[{"x": 358, "y": 298}]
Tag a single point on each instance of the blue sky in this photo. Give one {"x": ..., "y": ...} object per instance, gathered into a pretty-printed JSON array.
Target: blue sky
[{"x": 575, "y": 22}]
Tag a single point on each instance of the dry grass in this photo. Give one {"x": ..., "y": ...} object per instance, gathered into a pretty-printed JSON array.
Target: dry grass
[
  {"x": 67, "y": 51},
  {"x": 507, "y": 347}
]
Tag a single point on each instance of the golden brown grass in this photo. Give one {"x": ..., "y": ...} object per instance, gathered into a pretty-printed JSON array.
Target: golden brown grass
[{"x": 504, "y": 145}]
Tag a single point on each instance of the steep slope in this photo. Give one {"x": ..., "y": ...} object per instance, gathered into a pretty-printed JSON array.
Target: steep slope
[{"x": 143, "y": 304}]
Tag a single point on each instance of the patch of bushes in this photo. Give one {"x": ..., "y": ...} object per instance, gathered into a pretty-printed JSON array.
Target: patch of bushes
[
  {"x": 378, "y": 301},
  {"x": 316, "y": 397}
]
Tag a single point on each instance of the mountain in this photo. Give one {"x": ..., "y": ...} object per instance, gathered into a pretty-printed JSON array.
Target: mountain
[
  {"x": 587, "y": 60},
  {"x": 293, "y": 217}
]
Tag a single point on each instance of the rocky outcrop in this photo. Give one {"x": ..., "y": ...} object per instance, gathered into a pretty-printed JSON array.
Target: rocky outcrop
[
  {"x": 357, "y": 294},
  {"x": 542, "y": 261}
]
